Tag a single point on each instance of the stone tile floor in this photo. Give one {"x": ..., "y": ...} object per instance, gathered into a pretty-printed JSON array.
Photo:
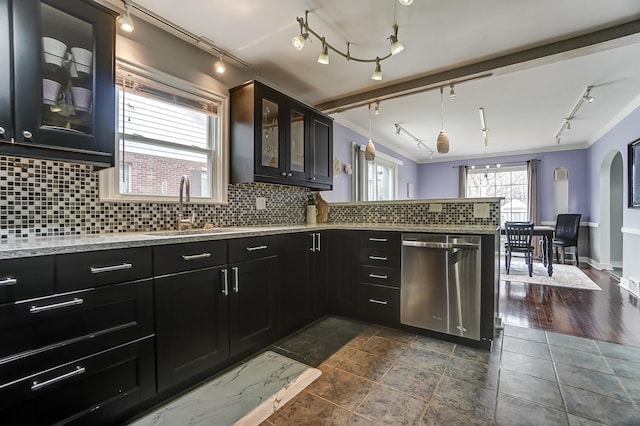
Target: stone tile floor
[{"x": 375, "y": 375}]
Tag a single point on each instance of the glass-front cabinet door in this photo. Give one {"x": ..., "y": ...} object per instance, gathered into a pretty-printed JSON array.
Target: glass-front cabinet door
[
  {"x": 6, "y": 120},
  {"x": 296, "y": 161},
  {"x": 64, "y": 91},
  {"x": 269, "y": 136}
]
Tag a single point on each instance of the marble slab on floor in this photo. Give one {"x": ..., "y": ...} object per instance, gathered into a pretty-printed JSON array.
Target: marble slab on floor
[{"x": 246, "y": 395}]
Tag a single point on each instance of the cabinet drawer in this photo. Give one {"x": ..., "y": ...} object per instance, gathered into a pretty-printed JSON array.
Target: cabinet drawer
[
  {"x": 188, "y": 256},
  {"x": 109, "y": 316},
  {"x": 381, "y": 276},
  {"x": 88, "y": 390},
  {"x": 95, "y": 268},
  {"x": 380, "y": 304},
  {"x": 380, "y": 257},
  {"x": 242, "y": 249},
  {"x": 383, "y": 240},
  {"x": 25, "y": 278}
]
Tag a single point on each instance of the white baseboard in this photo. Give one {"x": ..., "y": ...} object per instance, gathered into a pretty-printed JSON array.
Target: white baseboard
[
  {"x": 596, "y": 265},
  {"x": 616, "y": 263}
]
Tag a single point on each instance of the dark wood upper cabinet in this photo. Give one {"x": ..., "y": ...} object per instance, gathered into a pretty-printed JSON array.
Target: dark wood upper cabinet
[
  {"x": 277, "y": 139},
  {"x": 60, "y": 89}
]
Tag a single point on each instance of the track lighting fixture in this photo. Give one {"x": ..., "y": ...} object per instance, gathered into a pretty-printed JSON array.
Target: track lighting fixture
[
  {"x": 566, "y": 124},
  {"x": 377, "y": 73},
  {"x": 124, "y": 21},
  {"x": 419, "y": 142},
  {"x": 324, "y": 56},
  {"x": 483, "y": 127},
  {"x": 219, "y": 65},
  {"x": 376, "y": 109},
  {"x": 405, "y": 2},
  {"x": 452, "y": 93},
  {"x": 396, "y": 46},
  {"x": 300, "y": 40}
]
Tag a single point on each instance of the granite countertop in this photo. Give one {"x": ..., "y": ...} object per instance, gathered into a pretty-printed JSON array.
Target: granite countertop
[{"x": 41, "y": 246}]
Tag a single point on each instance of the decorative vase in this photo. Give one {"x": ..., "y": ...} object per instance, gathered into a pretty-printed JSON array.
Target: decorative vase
[{"x": 311, "y": 215}]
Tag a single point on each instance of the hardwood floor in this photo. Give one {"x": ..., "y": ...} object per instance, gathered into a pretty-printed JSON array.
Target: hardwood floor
[{"x": 611, "y": 315}]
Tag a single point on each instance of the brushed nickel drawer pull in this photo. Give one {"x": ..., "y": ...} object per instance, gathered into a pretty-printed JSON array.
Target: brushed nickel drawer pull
[
  {"x": 378, "y": 258},
  {"x": 382, "y": 277},
  {"x": 8, "y": 281},
  {"x": 39, "y": 385},
  {"x": 98, "y": 270},
  {"x": 379, "y": 302},
  {"x": 37, "y": 309},
  {"x": 195, "y": 256},
  {"x": 257, "y": 248},
  {"x": 225, "y": 282},
  {"x": 378, "y": 240},
  {"x": 236, "y": 284}
]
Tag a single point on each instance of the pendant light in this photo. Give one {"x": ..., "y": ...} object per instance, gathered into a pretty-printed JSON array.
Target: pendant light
[
  {"x": 443, "y": 140},
  {"x": 124, "y": 21},
  {"x": 370, "y": 150}
]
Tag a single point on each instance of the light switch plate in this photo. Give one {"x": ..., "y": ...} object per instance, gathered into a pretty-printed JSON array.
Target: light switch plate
[
  {"x": 481, "y": 211},
  {"x": 435, "y": 208},
  {"x": 261, "y": 203}
]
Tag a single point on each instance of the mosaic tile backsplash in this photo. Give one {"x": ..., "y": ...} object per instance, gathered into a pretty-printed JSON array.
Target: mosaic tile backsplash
[
  {"x": 414, "y": 213},
  {"x": 53, "y": 198}
]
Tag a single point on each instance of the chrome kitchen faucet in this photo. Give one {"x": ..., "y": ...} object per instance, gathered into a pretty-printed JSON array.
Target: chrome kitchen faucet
[{"x": 185, "y": 186}]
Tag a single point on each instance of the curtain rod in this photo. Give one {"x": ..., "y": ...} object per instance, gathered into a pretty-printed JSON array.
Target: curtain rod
[{"x": 497, "y": 162}]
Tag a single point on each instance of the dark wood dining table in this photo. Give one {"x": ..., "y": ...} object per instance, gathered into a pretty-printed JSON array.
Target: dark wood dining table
[{"x": 546, "y": 232}]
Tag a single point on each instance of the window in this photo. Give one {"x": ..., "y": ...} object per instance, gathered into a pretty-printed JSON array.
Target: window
[
  {"x": 512, "y": 183},
  {"x": 166, "y": 128},
  {"x": 375, "y": 180}
]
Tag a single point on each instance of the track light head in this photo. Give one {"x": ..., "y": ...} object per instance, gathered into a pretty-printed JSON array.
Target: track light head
[
  {"x": 219, "y": 65},
  {"x": 377, "y": 73},
  {"x": 124, "y": 21},
  {"x": 405, "y": 2},
  {"x": 452, "y": 93},
  {"x": 568, "y": 126},
  {"x": 396, "y": 46},
  {"x": 376, "y": 109},
  {"x": 398, "y": 129},
  {"x": 324, "y": 56},
  {"x": 299, "y": 40}
]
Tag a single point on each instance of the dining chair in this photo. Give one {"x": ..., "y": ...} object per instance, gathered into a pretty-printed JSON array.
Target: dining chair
[
  {"x": 566, "y": 234},
  {"x": 519, "y": 235}
]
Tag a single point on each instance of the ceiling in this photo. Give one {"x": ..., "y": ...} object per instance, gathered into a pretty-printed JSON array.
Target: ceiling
[{"x": 537, "y": 59}]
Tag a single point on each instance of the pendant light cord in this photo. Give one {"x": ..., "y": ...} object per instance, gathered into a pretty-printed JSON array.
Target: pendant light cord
[
  {"x": 441, "y": 108},
  {"x": 369, "y": 121}
]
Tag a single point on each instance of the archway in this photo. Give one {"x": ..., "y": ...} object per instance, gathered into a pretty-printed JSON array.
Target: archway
[{"x": 611, "y": 209}]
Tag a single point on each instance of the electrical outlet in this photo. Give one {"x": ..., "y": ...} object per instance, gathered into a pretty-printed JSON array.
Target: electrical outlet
[
  {"x": 261, "y": 203},
  {"x": 481, "y": 211},
  {"x": 435, "y": 208}
]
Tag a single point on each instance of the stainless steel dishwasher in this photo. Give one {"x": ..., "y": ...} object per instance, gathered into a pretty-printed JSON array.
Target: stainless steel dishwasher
[{"x": 440, "y": 288}]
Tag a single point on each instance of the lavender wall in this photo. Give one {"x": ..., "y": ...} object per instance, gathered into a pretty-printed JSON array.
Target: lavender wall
[
  {"x": 628, "y": 130},
  {"x": 440, "y": 180},
  {"x": 342, "y": 140}
]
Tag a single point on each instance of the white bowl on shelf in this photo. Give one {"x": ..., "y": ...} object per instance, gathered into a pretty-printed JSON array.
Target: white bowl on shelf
[
  {"x": 83, "y": 60},
  {"x": 50, "y": 91},
  {"x": 54, "y": 51},
  {"x": 81, "y": 98}
]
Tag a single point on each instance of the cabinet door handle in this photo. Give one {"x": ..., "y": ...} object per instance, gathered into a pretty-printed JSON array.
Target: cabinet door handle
[
  {"x": 27, "y": 135},
  {"x": 195, "y": 256},
  {"x": 236, "y": 285},
  {"x": 318, "y": 245},
  {"x": 37, "y": 309},
  {"x": 225, "y": 282},
  {"x": 377, "y": 258},
  {"x": 8, "y": 281},
  {"x": 378, "y": 240},
  {"x": 1, "y": 131},
  {"x": 98, "y": 270},
  {"x": 382, "y": 277},
  {"x": 379, "y": 302},
  {"x": 39, "y": 385},
  {"x": 313, "y": 243},
  {"x": 257, "y": 248},
  {"x": 289, "y": 174}
]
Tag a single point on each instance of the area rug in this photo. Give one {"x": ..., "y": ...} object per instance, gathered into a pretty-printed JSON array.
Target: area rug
[
  {"x": 563, "y": 275},
  {"x": 245, "y": 395}
]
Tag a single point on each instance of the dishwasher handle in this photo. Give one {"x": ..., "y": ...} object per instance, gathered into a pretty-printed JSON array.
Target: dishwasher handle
[{"x": 441, "y": 246}]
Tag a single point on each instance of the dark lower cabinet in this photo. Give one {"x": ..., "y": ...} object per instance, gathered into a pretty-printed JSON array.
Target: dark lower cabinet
[
  {"x": 344, "y": 261},
  {"x": 191, "y": 324},
  {"x": 252, "y": 304},
  {"x": 296, "y": 290},
  {"x": 90, "y": 390}
]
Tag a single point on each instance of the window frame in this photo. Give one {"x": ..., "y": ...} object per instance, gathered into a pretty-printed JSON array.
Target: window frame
[
  {"x": 360, "y": 176},
  {"x": 109, "y": 187},
  {"x": 502, "y": 169}
]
